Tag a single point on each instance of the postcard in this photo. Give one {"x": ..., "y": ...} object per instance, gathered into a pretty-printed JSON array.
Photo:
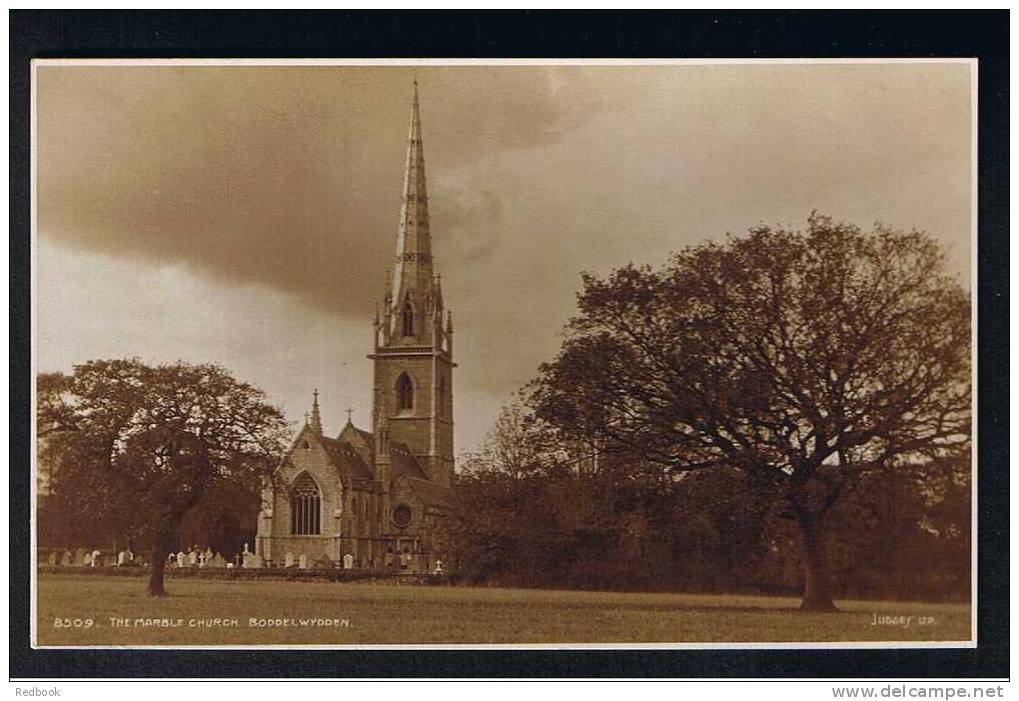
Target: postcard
[{"x": 503, "y": 353}]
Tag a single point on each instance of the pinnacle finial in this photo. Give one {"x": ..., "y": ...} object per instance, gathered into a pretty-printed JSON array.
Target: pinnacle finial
[{"x": 316, "y": 417}]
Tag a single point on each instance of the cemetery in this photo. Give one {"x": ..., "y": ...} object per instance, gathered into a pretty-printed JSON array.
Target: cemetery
[{"x": 246, "y": 565}]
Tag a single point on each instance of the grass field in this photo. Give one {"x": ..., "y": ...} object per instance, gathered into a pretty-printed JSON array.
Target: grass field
[{"x": 383, "y": 614}]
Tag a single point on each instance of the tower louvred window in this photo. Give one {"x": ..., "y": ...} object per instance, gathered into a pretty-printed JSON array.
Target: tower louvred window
[{"x": 404, "y": 392}]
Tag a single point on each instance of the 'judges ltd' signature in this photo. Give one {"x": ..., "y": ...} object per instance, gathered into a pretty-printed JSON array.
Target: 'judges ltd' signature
[{"x": 904, "y": 621}]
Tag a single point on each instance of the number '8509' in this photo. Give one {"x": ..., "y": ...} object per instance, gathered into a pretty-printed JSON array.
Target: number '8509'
[{"x": 73, "y": 622}]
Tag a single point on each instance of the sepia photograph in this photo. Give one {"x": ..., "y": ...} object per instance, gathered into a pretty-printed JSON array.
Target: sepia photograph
[{"x": 586, "y": 353}]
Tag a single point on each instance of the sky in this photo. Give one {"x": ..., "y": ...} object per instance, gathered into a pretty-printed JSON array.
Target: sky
[{"x": 246, "y": 215}]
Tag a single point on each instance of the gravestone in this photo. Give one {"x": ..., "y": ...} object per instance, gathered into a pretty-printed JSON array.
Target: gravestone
[
  {"x": 181, "y": 559},
  {"x": 207, "y": 557},
  {"x": 218, "y": 562},
  {"x": 348, "y": 562},
  {"x": 97, "y": 559},
  {"x": 438, "y": 567},
  {"x": 51, "y": 559},
  {"x": 288, "y": 560},
  {"x": 81, "y": 558},
  {"x": 121, "y": 558},
  {"x": 251, "y": 561},
  {"x": 192, "y": 558},
  {"x": 303, "y": 562},
  {"x": 67, "y": 559}
]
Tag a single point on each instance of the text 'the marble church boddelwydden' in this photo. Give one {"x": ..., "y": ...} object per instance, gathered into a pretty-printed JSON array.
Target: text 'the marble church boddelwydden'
[{"x": 376, "y": 499}]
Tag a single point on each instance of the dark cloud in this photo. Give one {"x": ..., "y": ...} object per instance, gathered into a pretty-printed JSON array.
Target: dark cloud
[{"x": 289, "y": 177}]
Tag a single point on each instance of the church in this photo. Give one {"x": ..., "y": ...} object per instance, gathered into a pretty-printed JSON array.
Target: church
[{"x": 378, "y": 499}]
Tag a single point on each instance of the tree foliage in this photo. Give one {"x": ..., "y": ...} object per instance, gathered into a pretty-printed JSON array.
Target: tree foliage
[
  {"x": 516, "y": 446},
  {"x": 142, "y": 445},
  {"x": 808, "y": 359}
]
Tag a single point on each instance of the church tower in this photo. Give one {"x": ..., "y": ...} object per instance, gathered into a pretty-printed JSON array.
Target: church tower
[{"x": 413, "y": 356}]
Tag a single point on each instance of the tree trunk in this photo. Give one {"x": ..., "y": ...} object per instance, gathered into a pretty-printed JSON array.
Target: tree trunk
[
  {"x": 817, "y": 584},
  {"x": 160, "y": 551}
]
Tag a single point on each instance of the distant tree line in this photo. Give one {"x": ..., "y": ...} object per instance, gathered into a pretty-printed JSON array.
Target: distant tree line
[{"x": 577, "y": 522}]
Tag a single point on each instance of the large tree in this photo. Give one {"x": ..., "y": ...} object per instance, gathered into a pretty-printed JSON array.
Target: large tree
[
  {"x": 159, "y": 438},
  {"x": 807, "y": 358}
]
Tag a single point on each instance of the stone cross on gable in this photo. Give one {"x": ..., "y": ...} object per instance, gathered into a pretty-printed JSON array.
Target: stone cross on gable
[{"x": 349, "y": 413}]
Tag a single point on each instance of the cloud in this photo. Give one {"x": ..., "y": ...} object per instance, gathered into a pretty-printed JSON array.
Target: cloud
[{"x": 281, "y": 185}]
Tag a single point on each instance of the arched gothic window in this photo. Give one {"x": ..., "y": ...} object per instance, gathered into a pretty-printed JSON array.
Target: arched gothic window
[
  {"x": 404, "y": 392},
  {"x": 305, "y": 507},
  {"x": 408, "y": 319}
]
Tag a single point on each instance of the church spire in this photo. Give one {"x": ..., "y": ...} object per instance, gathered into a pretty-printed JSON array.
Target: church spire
[
  {"x": 316, "y": 418},
  {"x": 413, "y": 401},
  {"x": 412, "y": 276}
]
